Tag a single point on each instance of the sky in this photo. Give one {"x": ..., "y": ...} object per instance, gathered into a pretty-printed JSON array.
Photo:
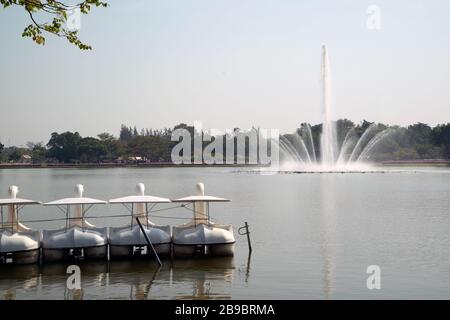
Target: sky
[{"x": 227, "y": 63}]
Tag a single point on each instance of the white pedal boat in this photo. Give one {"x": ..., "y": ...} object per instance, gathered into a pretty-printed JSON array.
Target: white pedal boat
[
  {"x": 201, "y": 235},
  {"x": 128, "y": 241},
  {"x": 79, "y": 238},
  {"x": 18, "y": 243}
]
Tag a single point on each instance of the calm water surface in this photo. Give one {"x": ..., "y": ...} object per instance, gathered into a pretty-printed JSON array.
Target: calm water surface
[{"x": 314, "y": 235}]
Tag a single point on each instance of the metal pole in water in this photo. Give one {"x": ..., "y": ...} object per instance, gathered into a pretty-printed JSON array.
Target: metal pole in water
[
  {"x": 247, "y": 232},
  {"x": 248, "y": 237},
  {"x": 148, "y": 241}
]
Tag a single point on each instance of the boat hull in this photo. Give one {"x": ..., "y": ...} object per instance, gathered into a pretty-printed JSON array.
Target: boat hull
[
  {"x": 127, "y": 251},
  {"x": 184, "y": 250},
  {"x": 226, "y": 249},
  {"x": 21, "y": 247},
  {"x": 75, "y": 243},
  {"x": 96, "y": 253},
  {"x": 202, "y": 239},
  {"x": 123, "y": 240},
  {"x": 51, "y": 255},
  {"x": 20, "y": 257},
  {"x": 219, "y": 249},
  {"x": 64, "y": 254}
]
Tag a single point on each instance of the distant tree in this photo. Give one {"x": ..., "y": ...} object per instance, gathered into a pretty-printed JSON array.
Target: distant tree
[
  {"x": 64, "y": 147},
  {"x": 181, "y": 126},
  {"x": 405, "y": 154},
  {"x": 38, "y": 151},
  {"x": 125, "y": 133},
  {"x": 105, "y": 136},
  {"x": 417, "y": 141},
  {"x": 428, "y": 151},
  {"x": 110, "y": 144},
  {"x": 91, "y": 150},
  {"x": 316, "y": 131},
  {"x": 305, "y": 131},
  {"x": 420, "y": 133},
  {"x": 343, "y": 126},
  {"x": 155, "y": 148},
  {"x": 59, "y": 14},
  {"x": 1, "y": 151},
  {"x": 14, "y": 154},
  {"x": 441, "y": 137},
  {"x": 361, "y": 128}
]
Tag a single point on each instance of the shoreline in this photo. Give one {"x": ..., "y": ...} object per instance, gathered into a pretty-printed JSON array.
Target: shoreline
[
  {"x": 416, "y": 163},
  {"x": 393, "y": 163},
  {"x": 115, "y": 165}
]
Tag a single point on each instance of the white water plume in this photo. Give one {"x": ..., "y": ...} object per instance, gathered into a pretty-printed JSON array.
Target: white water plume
[{"x": 303, "y": 151}]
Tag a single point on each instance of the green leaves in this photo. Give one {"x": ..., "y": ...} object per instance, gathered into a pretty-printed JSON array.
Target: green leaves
[
  {"x": 60, "y": 15},
  {"x": 5, "y": 3},
  {"x": 35, "y": 33}
]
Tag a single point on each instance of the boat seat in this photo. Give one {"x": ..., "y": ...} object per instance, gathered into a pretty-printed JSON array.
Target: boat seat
[
  {"x": 74, "y": 237},
  {"x": 22, "y": 241},
  {"x": 203, "y": 234},
  {"x": 132, "y": 235}
]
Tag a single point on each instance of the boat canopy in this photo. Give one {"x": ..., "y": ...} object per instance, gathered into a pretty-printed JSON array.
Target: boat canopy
[
  {"x": 9, "y": 201},
  {"x": 139, "y": 199},
  {"x": 74, "y": 201},
  {"x": 77, "y": 200},
  {"x": 201, "y": 199}
]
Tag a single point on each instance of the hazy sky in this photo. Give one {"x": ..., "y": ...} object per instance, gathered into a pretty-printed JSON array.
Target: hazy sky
[{"x": 228, "y": 63}]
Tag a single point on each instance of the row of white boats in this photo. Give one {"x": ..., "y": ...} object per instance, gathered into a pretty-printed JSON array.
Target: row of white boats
[{"x": 81, "y": 239}]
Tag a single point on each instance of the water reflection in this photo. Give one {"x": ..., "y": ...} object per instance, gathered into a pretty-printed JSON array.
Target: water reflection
[
  {"x": 138, "y": 276},
  {"x": 208, "y": 278},
  {"x": 247, "y": 269},
  {"x": 327, "y": 224},
  {"x": 54, "y": 277},
  {"x": 26, "y": 277}
]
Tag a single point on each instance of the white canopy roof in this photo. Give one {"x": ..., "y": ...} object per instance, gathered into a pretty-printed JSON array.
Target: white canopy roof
[
  {"x": 72, "y": 201},
  {"x": 201, "y": 198},
  {"x": 139, "y": 199},
  {"x": 7, "y": 201}
]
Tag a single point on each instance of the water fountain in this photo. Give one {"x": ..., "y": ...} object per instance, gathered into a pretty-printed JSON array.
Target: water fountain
[{"x": 301, "y": 152}]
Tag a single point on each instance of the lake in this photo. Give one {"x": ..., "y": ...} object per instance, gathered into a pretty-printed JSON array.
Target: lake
[{"x": 313, "y": 235}]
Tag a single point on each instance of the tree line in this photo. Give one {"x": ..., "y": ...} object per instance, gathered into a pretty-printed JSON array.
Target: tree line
[
  {"x": 418, "y": 141},
  {"x": 414, "y": 142}
]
